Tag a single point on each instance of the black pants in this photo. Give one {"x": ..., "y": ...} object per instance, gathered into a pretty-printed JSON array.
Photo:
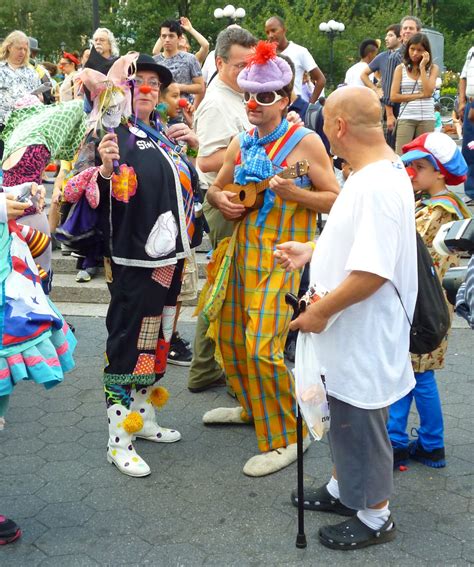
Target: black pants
[{"x": 140, "y": 322}]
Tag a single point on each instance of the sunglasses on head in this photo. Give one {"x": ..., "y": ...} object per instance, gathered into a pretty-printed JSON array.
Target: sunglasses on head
[{"x": 263, "y": 99}]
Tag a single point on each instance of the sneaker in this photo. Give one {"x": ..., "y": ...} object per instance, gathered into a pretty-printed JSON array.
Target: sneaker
[
  {"x": 83, "y": 276},
  {"x": 180, "y": 352},
  {"x": 9, "y": 531},
  {"x": 435, "y": 458},
  {"x": 65, "y": 250},
  {"x": 400, "y": 457}
]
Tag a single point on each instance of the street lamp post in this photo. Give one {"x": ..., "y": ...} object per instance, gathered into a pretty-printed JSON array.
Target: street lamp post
[
  {"x": 332, "y": 29},
  {"x": 232, "y": 14}
]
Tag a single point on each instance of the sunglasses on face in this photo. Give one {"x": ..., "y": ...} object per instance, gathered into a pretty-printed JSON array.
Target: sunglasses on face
[
  {"x": 263, "y": 99},
  {"x": 153, "y": 83}
]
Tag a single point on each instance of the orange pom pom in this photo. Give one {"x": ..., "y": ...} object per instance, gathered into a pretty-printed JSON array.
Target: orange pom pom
[
  {"x": 133, "y": 422},
  {"x": 264, "y": 51},
  {"x": 159, "y": 396}
]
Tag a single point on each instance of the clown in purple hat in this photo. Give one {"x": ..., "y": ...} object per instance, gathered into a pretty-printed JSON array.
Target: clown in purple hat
[{"x": 252, "y": 324}]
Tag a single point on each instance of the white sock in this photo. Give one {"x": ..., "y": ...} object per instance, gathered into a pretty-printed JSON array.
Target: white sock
[
  {"x": 333, "y": 487},
  {"x": 374, "y": 518}
]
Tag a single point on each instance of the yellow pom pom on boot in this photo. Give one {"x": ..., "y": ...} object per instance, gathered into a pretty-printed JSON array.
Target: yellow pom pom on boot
[
  {"x": 123, "y": 424},
  {"x": 144, "y": 401}
]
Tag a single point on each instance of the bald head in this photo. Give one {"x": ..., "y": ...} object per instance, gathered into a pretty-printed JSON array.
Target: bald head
[
  {"x": 357, "y": 106},
  {"x": 353, "y": 124}
]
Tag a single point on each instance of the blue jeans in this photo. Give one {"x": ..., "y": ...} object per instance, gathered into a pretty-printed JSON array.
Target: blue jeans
[
  {"x": 468, "y": 136},
  {"x": 428, "y": 404}
]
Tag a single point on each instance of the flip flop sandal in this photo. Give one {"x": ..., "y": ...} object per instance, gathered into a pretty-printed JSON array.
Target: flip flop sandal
[
  {"x": 354, "y": 534},
  {"x": 9, "y": 531},
  {"x": 320, "y": 500}
]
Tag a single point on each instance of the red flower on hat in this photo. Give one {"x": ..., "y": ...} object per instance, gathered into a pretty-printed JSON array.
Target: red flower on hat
[{"x": 264, "y": 51}]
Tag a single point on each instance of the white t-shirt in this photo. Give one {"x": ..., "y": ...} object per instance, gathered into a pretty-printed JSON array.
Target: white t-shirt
[
  {"x": 209, "y": 68},
  {"x": 302, "y": 60},
  {"x": 371, "y": 228},
  {"x": 468, "y": 72},
  {"x": 220, "y": 116},
  {"x": 353, "y": 74}
]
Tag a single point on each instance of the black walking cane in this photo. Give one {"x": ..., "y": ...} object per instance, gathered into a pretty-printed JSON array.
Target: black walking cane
[{"x": 301, "y": 536}]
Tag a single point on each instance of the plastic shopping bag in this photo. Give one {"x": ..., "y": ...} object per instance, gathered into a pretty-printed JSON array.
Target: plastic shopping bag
[{"x": 310, "y": 387}]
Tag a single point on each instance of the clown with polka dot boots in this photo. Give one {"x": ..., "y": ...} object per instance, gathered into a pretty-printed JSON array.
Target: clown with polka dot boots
[{"x": 147, "y": 235}]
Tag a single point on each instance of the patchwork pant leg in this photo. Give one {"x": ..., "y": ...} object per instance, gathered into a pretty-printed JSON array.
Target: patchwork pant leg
[{"x": 139, "y": 301}]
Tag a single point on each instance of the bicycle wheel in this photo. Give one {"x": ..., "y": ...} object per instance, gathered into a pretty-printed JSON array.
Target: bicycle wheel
[{"x": 447, "y": 106}]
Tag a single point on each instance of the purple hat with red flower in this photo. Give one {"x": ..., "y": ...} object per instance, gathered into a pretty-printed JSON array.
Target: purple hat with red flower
[{"x": 265, "y": 71}]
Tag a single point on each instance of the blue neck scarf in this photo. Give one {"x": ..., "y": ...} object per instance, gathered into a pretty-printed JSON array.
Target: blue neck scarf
[{"x": 257, "y": 164}]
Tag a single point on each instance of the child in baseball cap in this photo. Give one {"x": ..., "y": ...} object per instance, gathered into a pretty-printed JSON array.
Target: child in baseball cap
[{"x": 433, "y": 161}]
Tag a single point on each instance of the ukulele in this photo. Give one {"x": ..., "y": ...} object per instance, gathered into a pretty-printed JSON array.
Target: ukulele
[{"x": 251, "y": 195}]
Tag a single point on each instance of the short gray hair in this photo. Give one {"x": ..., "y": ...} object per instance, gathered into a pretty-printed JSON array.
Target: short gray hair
[
  {"x": 417, "y": 21},
  {"x": 233, "y": 36},
  {"x": 114, "y": 49}
]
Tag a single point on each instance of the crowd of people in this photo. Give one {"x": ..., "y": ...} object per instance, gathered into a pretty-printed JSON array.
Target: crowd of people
[{"x": 151, "y": 150}]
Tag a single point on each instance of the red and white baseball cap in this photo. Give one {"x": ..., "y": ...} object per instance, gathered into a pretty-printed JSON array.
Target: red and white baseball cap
[{"x": 442, "y": 152}]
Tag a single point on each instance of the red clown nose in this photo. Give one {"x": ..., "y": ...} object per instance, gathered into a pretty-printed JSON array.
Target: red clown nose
[
  {"x": 411, "y": 172},
  {"x": 252, "y": 104},
  {"x": 145, "y": 89},
  {"x": 182, "y": 103}
]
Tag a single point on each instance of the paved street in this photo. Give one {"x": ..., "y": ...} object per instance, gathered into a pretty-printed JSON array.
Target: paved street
[{"x": 197, "y": 508}]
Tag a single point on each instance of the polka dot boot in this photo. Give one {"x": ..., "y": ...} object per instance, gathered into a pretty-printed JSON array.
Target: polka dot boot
[
  {"x": 123, "y": 424},
  {"x": 143, "y": 401}
]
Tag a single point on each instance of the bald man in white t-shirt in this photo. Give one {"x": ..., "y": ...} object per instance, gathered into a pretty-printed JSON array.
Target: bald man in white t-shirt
[{"x": 366, "y": 258}]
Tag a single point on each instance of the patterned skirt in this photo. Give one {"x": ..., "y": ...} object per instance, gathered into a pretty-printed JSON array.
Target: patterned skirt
[{"x": 44, "y": 360}]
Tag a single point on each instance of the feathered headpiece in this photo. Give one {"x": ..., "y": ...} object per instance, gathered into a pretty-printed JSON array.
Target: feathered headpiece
[{"x": 265, "y": 71}]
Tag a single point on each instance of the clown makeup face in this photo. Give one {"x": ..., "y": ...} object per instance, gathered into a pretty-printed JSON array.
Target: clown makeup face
[
  {"x": 145, "y": 98},
  {"x": 268, "y": 116},
  {"x": 426, "y": 178}
]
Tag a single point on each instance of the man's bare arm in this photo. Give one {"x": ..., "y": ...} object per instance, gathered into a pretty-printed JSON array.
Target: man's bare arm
[
  {"x": 317, "y": 77},
  {"x": 209, "y": 164},
  {"x": 196, "y": 87},
  {"x": 357, "y": 287}
]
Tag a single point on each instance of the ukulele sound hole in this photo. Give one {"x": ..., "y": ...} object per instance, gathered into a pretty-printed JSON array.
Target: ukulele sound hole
[{"x": 242, "y": 195}]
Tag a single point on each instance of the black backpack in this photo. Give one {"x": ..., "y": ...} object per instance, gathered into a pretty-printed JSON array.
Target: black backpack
[{"x": 431, "y": 320}]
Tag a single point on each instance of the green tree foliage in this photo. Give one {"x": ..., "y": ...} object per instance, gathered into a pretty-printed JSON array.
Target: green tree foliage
[{"x": 136, "y": 22}]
